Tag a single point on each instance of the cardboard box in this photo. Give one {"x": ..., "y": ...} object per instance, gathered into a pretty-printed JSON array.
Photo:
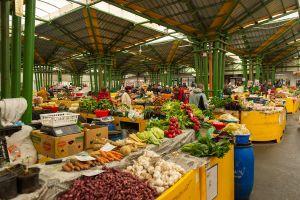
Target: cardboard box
[
  {"x": 92, "y": 132},
  {"x": 57, "y": 147}
]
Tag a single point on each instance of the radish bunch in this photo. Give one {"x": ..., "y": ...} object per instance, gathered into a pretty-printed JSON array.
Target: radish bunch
[
  {"x": 174, "y": 128},
  {"x": 191, "y": 116}
]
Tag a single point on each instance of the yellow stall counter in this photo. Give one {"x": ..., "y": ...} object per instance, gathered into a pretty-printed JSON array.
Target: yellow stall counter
[
  {"x": 264, "y": 126},
  {"x": 187, "y": 188},
  {"x": 292, "y": 104},
  {"x": 217, "y": 179}
]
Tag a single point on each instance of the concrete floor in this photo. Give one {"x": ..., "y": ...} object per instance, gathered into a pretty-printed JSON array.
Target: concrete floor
[{"x": 277, "y": 166}]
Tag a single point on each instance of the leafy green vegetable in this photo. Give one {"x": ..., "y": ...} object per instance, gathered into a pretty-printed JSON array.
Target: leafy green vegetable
[
  {"x": 219, "y": 102},
  {"x": 207, "y": 147},
  {"x": 158, "y": 132}
]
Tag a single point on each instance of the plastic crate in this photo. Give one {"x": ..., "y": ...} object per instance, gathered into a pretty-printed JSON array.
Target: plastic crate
[{"x": 59, "y": 119}]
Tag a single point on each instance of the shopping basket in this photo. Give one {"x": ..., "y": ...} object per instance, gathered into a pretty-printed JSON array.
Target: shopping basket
[{"x": 59, "y": 119}]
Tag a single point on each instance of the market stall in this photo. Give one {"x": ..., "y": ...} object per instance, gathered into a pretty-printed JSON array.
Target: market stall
[{"x": 265, "y": 126}]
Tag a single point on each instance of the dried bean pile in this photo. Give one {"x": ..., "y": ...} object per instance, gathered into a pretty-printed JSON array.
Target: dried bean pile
[{"x": 112, "y": 184}]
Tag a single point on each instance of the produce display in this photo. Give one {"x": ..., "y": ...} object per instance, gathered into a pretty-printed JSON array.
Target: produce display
[
  {"x": 101, "y": 157},
  {"x": 110, "y": 184},
  {"x": 228, "y": 118},
  {"x": 206, "y": 146},
  {"x": 160, "y": 174},
  {"x": 90, "y": 105},
  {"x": 173, "y": 129},
  {"x": 218, "y": 102},
  {"x": 125, "y": 146},
  {"x": 236, "y": 129},
  {"x": 153, "y": 135}
]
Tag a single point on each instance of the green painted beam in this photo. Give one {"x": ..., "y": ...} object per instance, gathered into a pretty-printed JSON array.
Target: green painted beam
[
  {"x": 28, "y": 58},
  {"x": 216, "y": 46},
  {"x": 5, "y": 50},
  {"x": 16, "y": 57}
]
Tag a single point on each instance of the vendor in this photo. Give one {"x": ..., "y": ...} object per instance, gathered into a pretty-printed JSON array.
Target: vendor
[
  {"x": 125, "y": 98},
  {"x": 103, "y": 94},
  {"x": 198, "y": 97},
  {"x": 43, "y": 93}
]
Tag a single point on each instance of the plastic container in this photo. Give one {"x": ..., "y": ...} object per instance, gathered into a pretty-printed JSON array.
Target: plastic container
[
  {"x": 102, "y": 113},
  {"x": 243, "y": 171},
  {"x": 59, "y": 119},
  {"x": 30, "y": 182},
  {"x": 242, "y": 139},
  {"x": 8, "y": 185}
]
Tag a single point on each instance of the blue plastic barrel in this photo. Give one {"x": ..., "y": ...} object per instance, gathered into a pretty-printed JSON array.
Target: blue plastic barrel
[
  {"x": 242, "y": 139},
  {"x": 243, "y": 171}
]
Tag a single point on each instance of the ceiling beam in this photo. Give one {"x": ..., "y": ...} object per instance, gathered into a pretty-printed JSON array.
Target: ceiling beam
[
  {"x": 155, "y": 17},
  {"x": 39, "y": 57},
  {"x": 172, "y": 51},
  {"x": 53, "y": 53},
  {"x": 121, "y": 35},
  {"x": 281, "y": 31},
  {"x": 192, "y": 9},
  {"x": 250, "y": 12},
  {"x": 59, "y": 42},
  {"x": 156, "y": 53},
  {"x": 89, "y": 28},
  {"x": 283, "y": 54},
  {"x": 223, "y": 14},
  {"x": 71, "y": 35}
]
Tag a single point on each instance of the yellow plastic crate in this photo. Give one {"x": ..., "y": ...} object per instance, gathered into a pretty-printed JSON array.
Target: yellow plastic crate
[
  {"x": 292, "y": 105},
  {"x": 187, "y": 188}
]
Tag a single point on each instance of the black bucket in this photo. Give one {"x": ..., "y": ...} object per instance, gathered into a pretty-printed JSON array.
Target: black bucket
[
  {"x": 30, "y": 182},
  {"x": 8, "y": 185}
]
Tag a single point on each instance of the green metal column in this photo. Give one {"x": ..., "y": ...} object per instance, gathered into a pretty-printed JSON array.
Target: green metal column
[
  {"x": 257, "y": 68},
  {"x": 95, "y": 75},
  {"x": 205, "y": 66},
  {"x": 40, "y": 76},
  {"x": 28, "y": 58},
  {"x": 250, "y": 62},
  {"x": 16, "y": 56},
  {"x": 273, "y": 74},
  {"x": 215, "y": 68},
  {"x": 220, "y": 69},
  {"x": 91, "y": 79},
  {"x": 196, "y": 63},
  {"x": 223, "y": 66},
  {"x": 268, "y": 72},
  {"x": 5, "y": 50},
  {"x": 51, "y": 74},
  {"x": 35, "y": 78},
  {"x": 59, "y": 76},
  {"x": 245, "y": 75}
]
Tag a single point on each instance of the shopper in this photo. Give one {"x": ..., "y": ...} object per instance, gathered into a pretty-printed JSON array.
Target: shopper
[
  {"x": 199, "y": 98},
  {"x": 103, "y": 94},
  {"x": 125, "y": 98},
  {"x": 167, "y": 90}
]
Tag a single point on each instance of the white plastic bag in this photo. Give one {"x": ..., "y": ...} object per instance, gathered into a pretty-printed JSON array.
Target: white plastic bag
[{"x": 20, "y": 147}]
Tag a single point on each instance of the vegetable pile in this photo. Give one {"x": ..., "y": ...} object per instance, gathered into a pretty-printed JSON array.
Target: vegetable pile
[
  {"x": 192, "y": 117},
  {"x": 174, "y": 129},
  {"x": 218, "y": 102},
  {"x": 159, "y": 173},
  {"x": 101, "y": 157},
  {"x": 153, "y": 135},
  {"x": 90, "y": 105},
  {"x": 236, "y": 129},
  {"x": 110, "y": 184},
  {"x": 207, "y": 146}
]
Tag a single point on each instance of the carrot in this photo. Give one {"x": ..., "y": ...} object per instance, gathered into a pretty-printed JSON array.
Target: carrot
[
  {"x": 102, "y": 153},
  {"x": 117, "y": 154},
  {"x": 112, "y": 156},
  {"x": 105, "y": 160}
]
